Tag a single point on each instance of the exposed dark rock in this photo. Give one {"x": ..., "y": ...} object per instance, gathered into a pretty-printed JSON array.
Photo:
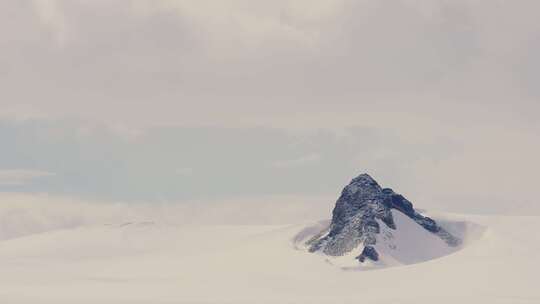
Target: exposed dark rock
[
  {"x": 368, "y": 252},
  {"x": 355, "y": 219}
]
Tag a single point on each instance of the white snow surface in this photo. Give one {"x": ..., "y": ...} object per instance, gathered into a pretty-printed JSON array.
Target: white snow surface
[
  {"x": 409, "y": 243},
  {"x": 153, "y": 262}
]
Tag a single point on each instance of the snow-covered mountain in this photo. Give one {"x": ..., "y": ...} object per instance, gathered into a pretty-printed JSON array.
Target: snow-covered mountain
[
  {"x": 380, "y": 225},
  {"x": 142, "y": 257}
]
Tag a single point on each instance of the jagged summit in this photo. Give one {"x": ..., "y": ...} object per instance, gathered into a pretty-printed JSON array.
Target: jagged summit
[
  {"x": 363, "y": 207},
  {"x": 364, "y": 177}
]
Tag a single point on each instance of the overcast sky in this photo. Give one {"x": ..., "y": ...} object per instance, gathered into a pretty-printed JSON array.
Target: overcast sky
[{"x": 172, "y": 100}]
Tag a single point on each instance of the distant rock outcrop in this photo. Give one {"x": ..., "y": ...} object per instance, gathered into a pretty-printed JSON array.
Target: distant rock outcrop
[{"x": 360, "y": 210}]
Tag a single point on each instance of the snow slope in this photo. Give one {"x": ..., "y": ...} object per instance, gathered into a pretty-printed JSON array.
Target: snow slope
[
  {"x": 409, "y": 243},
  {"x": 149, "y": 262}
]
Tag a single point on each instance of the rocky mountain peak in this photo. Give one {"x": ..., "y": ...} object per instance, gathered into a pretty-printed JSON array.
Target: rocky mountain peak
[{"x": 358, "y": 215}]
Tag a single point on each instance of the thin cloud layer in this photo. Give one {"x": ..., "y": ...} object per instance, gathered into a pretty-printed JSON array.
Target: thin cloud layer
[
  {"x": 488, "y": 170},
  {"x": 262, "y": 62},
  {"x": 17, "y": 177}
]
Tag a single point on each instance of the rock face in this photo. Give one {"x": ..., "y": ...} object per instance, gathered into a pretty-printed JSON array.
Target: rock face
[
  {"x": 368, "y": 252},
  {"x": 360, "y": 210}
]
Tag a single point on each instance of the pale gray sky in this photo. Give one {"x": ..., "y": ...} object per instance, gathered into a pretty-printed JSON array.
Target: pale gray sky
[{"x": 172, "y": 99}]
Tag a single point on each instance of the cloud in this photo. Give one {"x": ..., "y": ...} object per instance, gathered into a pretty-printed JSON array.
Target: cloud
[
  {"x": 459, "y": 169},
  {"x": 19, "y": 177},
  {"x": 297, "y": 162},
  {"x": 49, "y": 13},
  {"x": 184, "y": 171},
  {"x": 261, "y": 62},
  {"x": 171, "y": 163},
  {"x": 24, "y": 214},
  {"x": 431, "y": 95}
]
